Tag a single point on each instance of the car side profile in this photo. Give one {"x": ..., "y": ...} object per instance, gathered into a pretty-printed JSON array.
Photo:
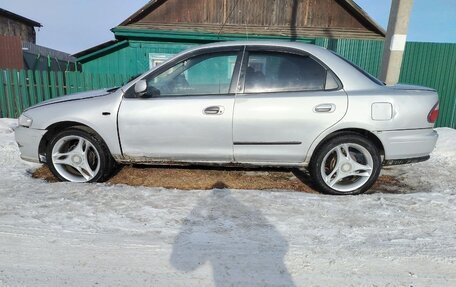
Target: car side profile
[{"x": 256, "y": 103}]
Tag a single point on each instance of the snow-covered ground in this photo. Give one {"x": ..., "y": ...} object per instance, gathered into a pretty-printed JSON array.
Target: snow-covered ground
[{"x": 54, "y": 234}]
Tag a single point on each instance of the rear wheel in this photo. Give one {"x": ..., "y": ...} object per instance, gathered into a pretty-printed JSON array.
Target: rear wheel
[
  {"x": 77, "y": 155},
  {"x": 345, "y": 165}
]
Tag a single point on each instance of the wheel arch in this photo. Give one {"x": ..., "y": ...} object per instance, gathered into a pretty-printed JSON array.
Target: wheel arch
[
  {"x": 55, "y": 128},
  {"x": 356, "y": 131}
]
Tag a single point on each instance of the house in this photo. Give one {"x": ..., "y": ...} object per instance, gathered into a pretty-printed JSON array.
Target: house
[
  {"x": 14, "y": 29},
  {"x": 15, "y": 25},
  {"x": 18, "y": 49},
  {"x": 165, "y": 27}
]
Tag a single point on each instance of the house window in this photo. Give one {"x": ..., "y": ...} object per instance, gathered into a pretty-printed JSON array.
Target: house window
[{"x": 156, "y": 59}]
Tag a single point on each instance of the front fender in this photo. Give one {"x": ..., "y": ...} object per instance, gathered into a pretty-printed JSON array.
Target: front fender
[{"x": 98, "y": 113}]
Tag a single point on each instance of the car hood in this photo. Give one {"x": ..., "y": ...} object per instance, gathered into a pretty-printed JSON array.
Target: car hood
[
  {"x": 411, "y": 87},
  {"x": 74, "y": 97}
]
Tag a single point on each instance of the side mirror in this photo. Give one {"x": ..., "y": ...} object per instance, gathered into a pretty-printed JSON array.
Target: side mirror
[{"x": 142, "y": 90}]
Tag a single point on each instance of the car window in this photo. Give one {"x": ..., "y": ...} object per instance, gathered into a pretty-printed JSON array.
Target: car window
[
  {"x": 278, "y": 72},
  {"x": 201, "y": 75}
]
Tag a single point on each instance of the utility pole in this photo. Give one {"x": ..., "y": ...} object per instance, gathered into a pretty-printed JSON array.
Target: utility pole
[{"x": 396, "y": 37}]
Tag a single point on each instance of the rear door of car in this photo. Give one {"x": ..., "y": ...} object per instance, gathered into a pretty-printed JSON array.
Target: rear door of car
[
  {"x": 285, "y": 99},
  {"x": 190, "y": 116}
]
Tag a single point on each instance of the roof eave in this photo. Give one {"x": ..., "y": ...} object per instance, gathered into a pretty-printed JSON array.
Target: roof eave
[
  {"x": 130, "y": 33},
  {"x": 140, "y": 12},
  {"x": 20, "y": 18},
  {"x": 99, "y": 49},
  {"x": 366, "y": 16}
]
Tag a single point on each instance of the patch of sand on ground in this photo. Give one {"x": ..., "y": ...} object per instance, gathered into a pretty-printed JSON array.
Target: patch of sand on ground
[{"x": 203, "y": 178}]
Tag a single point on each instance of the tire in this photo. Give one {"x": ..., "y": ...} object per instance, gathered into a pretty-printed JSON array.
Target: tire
[
  {"x": 78, "y": 155},
  {"x": 346, "y": 164}
]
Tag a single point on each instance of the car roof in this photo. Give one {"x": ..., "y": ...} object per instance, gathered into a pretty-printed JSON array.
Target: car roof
[{"x": 269, "y": 43}]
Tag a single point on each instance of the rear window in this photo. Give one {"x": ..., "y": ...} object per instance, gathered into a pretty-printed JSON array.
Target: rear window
[{"x": 282, "y": 72}]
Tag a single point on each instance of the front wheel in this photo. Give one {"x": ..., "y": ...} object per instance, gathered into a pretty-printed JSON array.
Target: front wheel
[
  {"x": 345, "y": 165},
  {"x": 76, "y": 155}
]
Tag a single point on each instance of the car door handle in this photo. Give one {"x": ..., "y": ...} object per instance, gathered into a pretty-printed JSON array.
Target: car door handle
[
  {"x": 214, "y": 110},
  {"x": 325, "y": 108}
]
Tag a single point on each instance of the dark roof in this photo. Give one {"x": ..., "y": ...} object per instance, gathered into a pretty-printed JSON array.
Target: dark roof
[
  {"x": 350, "y": 4},
  {"x": 19, "y": 18},
  {"x": 34, "y": 49}
]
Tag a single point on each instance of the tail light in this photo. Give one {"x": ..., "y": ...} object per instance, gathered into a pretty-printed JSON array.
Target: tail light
[{"x": 433, "y": 114}]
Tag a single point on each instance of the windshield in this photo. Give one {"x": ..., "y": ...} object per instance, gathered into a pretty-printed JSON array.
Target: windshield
[{"x": 372, "y": 78}]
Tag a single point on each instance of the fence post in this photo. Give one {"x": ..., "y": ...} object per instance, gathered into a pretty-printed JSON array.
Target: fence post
[
  {"x": 24, "y": 90},
  {"x": 60, "y": 83},
  {"x": 31, "y": 87},
  {"x": 16, "y": 97},
  {"x": 39, "y": 86},
  {"x": 53, "y": 84},
  {"x": 71, "y": 85},
  {"x": 47, "y": 94},
  {"x": 9, "y": 94}
]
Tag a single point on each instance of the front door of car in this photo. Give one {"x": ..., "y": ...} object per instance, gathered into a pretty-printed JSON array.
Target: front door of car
[
  {"x": 288, "y": 99},
  {"x": 186, "y": 112}
]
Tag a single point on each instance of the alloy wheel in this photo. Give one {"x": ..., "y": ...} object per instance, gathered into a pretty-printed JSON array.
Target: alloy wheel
[
  {"x": 347, "y": 167},
  {"x": 75, "y": 158}
]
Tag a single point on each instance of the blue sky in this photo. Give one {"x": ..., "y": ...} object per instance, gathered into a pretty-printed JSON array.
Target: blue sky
[
  {"x": 431, "y": 20},
  {"x": 75, "y": 25}
]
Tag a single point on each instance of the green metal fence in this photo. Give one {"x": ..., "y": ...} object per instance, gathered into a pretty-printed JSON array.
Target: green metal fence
[
  {"x": 433, "y": 65},
  {"x": 20, "y": 89}
]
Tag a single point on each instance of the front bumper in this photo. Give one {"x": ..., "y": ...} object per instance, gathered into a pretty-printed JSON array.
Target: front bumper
[
  {"x": 408, "y": 144},
  {"x": 28, "y": 140}
]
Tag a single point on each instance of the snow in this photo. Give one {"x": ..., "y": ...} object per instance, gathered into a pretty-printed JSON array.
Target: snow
[{"x": 54, "y": 234}]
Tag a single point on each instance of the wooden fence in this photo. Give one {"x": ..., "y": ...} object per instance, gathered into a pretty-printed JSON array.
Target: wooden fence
[{"x": 20, "y": 89}]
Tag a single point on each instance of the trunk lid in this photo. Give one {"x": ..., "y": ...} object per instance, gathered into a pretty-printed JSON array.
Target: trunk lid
[{"x": 408, "y": 87}]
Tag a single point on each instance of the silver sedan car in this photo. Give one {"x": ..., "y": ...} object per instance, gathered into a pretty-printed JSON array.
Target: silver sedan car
[{"x": 248, "y": 103}]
